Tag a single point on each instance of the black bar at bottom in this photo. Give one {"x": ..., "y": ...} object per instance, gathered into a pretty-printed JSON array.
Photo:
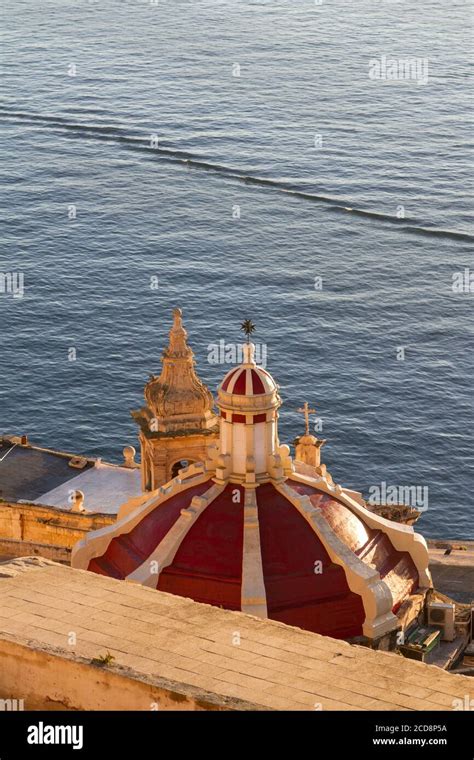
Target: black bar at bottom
[{"x": 135, "y": 734}]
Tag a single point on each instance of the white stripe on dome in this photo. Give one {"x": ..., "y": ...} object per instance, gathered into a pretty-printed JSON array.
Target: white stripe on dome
[
  {"x": 248, "y": 382},
  {"x": 268, "y": 383},
  {"x": 253, "y": 593},
  {"x": 232, "y": 383},
  {"x": 149, "y": 571}
]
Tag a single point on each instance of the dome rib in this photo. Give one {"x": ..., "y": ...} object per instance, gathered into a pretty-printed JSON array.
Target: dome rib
[{"x": 149, "y": 571}]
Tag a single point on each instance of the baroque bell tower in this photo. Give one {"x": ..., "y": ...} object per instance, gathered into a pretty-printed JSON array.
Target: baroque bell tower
[{"x": 178, "y": 422}]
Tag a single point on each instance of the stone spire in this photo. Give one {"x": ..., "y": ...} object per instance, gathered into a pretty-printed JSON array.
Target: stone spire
[
  {"x": 178, "y": 422},
  {"x": 178, "y": 347},
  {"x": 177, "y": 399}
]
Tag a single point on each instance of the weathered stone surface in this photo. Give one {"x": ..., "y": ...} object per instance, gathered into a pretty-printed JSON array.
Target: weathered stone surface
[
  {"x": 32, "y": 528},
  {"x": 185, "y": 655},
  {"x": 20, "y": 565}
]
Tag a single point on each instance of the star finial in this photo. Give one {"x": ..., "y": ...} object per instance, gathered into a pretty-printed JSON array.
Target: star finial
[{"x": 247, "y": 327}]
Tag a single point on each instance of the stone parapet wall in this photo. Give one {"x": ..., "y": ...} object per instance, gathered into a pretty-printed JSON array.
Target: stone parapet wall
[
  {"x": 70, "y": 683},
  {"x": 35, "y": 529}
]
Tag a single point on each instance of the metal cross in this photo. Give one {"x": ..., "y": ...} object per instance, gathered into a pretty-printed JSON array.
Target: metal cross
[{"x": 306, "y": 411}]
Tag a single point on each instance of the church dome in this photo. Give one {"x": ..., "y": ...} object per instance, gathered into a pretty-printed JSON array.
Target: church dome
[
  {"x": 248, "y": 379},
  {"x": 248, "y": 393},
  {"x": 251, "y": 530},
  {"x": 313, "y": 562}
]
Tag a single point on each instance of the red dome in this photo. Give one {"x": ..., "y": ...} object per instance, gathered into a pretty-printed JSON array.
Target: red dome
[
  {"x": 252, "y": 530},
  {"x": 248, "y": 381},
  {"x": 303, "y": 585}
]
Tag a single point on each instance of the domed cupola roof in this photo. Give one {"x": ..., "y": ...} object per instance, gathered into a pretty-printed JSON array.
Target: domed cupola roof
[
  {"x": 248, "y": 379},
  {"x": 250, "y": 529},
  {"x": 248, "y": 387}
]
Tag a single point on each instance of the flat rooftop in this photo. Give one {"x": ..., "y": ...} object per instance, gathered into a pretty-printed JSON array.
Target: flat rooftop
[
  {"x": 44, "y": 476},
  {"x": 27, "y": 472},
  {"x": 232, "y": 660}
]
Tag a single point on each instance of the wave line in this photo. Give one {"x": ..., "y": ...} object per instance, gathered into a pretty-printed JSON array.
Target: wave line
[{"x": 117, "y": 134}]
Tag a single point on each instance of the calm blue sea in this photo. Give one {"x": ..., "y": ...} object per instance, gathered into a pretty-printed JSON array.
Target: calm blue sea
[{"x": 150, "y": 123}]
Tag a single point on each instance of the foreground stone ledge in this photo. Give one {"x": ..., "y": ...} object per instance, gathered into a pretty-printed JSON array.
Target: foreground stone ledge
[{"x": 169, "y": 653}]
